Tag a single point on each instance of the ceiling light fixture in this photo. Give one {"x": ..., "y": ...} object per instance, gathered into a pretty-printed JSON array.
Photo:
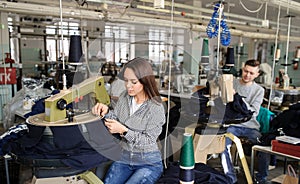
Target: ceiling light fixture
[
  {"x": 4, "y": 5},
  {"x": 159, "y": 3}
]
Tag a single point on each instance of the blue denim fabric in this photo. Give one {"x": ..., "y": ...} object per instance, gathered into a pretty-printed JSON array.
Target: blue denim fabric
[
  {"x": 263, "y": 166},
  {"x": 251, "y": 134},
  {"x": 135, "y": 168}
]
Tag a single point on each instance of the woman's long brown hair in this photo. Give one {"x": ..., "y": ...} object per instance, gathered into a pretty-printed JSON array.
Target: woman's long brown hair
[{"x": 143, "y": 71}]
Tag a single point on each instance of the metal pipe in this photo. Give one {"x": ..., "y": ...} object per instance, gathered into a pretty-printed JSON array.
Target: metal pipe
[
  {"x": 64, "y": 77},
  {"x": 221, "y": 8},
  {"x": 92, "y": 15},
  {"x": 287, "y": 47},
  {"x": 205, "y": 10}
]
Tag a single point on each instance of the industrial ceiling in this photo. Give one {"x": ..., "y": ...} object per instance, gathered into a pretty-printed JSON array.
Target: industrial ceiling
[{"x": 245, "y": 18}]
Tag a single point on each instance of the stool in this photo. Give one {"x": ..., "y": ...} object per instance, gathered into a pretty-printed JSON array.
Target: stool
[
  {"x": 247, "y": 147},
  {"x": 216, "y": 144},
  {"x": 6, "y": 158},
  {"x": 87, "y": 177},
  {"x": 47, "y": 171}
]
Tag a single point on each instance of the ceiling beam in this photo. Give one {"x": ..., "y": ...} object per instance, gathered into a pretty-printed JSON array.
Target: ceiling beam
[
  {"x": 26, "y": 8},
  {"x": 292, "y": 6}
]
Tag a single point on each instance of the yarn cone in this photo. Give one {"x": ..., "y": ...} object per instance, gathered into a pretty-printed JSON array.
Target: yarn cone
[
  {"x": 187, "y": 160},
  {"x": 230, "y": 56},
  {"x": 75, "y": 51},
  {"x": 205, "y": 52}
]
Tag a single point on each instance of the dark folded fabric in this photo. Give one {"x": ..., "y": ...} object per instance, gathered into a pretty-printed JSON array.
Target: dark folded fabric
[
  {"x": 75, "y": 147},
  {"x": 203, "y": 175},
  {"x": 288, "y": 120}
]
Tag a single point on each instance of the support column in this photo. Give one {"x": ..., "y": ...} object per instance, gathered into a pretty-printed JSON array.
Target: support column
[
  {"x": 192, "y": 54},
  {"x": 192, "y": 46},
  {"x": 6, "y": 91},
  {"x": 4, "y": 35}
]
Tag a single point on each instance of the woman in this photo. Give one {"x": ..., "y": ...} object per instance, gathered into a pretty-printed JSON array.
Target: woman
[{"x": 138, "y": 118}]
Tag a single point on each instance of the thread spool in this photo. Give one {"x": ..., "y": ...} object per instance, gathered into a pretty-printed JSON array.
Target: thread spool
[
  {"x": 187, "y": 160},
  {"x": 297, "y": 54},
  {"x": 230, "y": 57},
  {"x": 286, "y": 81},
  {"x": 296, "y": 59},
  {"x": 205, "y": 52},
  {"x": 277, "y": 54},
  {"x": 75, "y": 51},
  {"x": 186, "y": 176}
]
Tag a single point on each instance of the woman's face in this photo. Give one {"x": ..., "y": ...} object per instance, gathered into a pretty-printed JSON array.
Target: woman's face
[{"x": 132, "y": 84}]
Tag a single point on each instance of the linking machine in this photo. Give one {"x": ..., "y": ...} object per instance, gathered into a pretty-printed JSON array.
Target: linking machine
[{"x": 56, "y": 112}]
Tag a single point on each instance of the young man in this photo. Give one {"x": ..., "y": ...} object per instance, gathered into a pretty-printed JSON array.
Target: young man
[{"x": 253, "y": 93}]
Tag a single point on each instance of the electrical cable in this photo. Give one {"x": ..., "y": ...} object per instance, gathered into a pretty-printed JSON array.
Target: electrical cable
[
  {"x": 169, "y": 85},
  {"x": 266, "y": 10},
  {"x": 288, "y": 38},
  {"x": 274, "y": 56},
  {"x": 64, "y": 77},
  {"x": 251, "y": 11}
]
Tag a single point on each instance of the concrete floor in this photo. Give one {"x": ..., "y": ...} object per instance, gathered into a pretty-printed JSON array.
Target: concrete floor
[
  {"x": 274, "y": 173},
  {"x": 216, "y": 163},
  {"x": 22, "y": 174}
]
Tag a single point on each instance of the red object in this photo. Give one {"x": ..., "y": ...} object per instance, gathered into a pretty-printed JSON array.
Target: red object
[
  {"x": 277, "y": 80},
  {"x": 9, "y": 77},
  {"x": 183, "y": 13},
  {"x": 286, "y": 148},
  {"x": 8, "y": 58}
]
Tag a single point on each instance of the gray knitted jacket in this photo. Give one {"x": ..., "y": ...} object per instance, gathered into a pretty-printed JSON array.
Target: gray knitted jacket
[
  {"x": 254, "y": 95},
  {"x": 145, "y": 125}
]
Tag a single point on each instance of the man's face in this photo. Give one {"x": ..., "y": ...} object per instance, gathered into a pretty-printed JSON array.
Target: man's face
[{"x": 249, "y": 73}]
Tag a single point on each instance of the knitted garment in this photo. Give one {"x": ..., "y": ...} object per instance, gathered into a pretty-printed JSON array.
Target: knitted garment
[
  {"x": 145, "y": 124},
  {"x": 264, "y": 118},
  {"x": 254, "y": 95}
]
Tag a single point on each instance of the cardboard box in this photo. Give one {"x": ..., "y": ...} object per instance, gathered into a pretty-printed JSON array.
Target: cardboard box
[
  {"x": 207, "y": 144},
  {"x": 286, "y": 148},
  {"x": 226, "y": 87}
]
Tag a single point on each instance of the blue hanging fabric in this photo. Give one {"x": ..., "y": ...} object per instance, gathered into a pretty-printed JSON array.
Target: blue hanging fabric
[
  {"x": 213, "y": 27},
  {"x": 225, "y": 34}
]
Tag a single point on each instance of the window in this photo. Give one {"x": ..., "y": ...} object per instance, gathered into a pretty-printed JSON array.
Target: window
[
  {"x": 116, "y": 43},
  {"x": 157, "y": 47}
]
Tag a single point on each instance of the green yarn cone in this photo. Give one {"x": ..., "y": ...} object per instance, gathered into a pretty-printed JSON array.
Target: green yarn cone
[
  {"x": 187, "y": 159},
  {"x": 205, "y": 50}
]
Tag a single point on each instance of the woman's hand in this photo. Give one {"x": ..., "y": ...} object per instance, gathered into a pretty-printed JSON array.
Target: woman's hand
[
  {"x": 114, "y": 126},
  {"x": 100, "y": 109}
]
